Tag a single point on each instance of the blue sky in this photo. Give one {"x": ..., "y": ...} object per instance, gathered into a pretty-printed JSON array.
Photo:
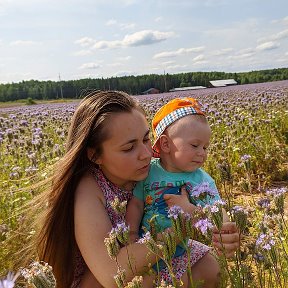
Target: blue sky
[{"x": 42, "y": 39}]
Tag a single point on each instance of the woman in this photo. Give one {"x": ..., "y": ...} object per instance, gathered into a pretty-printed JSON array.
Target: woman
[{"x": 108, "y": 150}]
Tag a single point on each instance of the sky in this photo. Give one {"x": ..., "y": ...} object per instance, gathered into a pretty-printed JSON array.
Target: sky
[{"x": 75, "y": 39}]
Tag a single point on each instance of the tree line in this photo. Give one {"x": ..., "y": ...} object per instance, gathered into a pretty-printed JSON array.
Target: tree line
[{"x": 134, "y": 85}]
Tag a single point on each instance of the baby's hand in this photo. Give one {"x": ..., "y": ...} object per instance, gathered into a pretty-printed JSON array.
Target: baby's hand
[{"x": 181, "y": 200}]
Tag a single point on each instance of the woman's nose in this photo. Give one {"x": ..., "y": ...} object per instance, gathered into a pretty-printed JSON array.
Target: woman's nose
[{"x": 146, "y": 152}]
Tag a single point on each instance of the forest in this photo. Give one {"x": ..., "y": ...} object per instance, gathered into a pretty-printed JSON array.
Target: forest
[{"x": 134, "y": 85}]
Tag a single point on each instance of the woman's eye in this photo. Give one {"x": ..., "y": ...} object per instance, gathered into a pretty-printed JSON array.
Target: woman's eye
[
  {"x": 128, "y": 149},
  {"x": 146, "y": 140}
]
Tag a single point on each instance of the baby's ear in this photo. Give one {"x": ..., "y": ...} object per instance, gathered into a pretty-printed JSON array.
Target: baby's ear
[{"x": 164, "y": 144}]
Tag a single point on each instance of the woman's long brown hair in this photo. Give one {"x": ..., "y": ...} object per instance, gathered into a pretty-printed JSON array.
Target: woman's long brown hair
[{"x": 55, "y": 242}]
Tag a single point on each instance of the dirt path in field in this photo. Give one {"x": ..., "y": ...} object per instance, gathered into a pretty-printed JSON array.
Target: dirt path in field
[{"x": 251, "y": 199}]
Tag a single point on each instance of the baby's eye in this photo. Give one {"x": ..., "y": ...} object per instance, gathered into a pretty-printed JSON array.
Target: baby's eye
[{"x": 193, "y": 145}]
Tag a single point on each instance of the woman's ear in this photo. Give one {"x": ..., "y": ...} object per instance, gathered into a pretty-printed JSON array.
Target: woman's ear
[
  {"x": 91, "y": 154},
  {"x": 164, "y": 144}
]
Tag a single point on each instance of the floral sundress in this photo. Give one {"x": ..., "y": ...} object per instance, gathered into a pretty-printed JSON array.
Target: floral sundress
[{"x": 110, "y": 192}]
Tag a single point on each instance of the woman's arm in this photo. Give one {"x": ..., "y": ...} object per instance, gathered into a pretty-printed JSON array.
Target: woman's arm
[
  {"x": 134, "y": 214},
  {"x": 92, "y": 226}
]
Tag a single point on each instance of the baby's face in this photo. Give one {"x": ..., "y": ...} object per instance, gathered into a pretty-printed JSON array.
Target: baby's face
[{"x": 189, "y": 138}]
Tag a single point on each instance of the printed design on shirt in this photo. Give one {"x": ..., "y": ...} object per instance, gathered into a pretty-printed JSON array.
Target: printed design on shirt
[{"x": 149, "y": 200}]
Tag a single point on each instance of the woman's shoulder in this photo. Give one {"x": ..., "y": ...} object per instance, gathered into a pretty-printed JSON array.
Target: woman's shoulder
[{"x": 88, "y": 188}]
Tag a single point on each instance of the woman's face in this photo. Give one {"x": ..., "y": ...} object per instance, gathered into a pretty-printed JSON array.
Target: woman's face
[{"x": 127, "y": 152}]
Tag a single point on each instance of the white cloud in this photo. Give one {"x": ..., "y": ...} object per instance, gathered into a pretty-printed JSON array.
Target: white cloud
[
  {"x": 90, "y": 65},
  {"x": 127, "y": 26},
  {"x": 106, "y": 44},
  {"x": 240, "y": 56},
  {"x": 282, "y": 20},
  {"x": 282, "y": 60},
  {"x": 180, "y": 51},
  {"x": 85, "y": 41},
  {"x": 176, "y": 67},
  {"x": 199, "y": 58},
  {"x": 281, "y": 35},
  {"x": 277, "y": 36},
  {"x": 124, "y": 73},
  {"x": 168, "y": 63},
  {"x": 245, "y": 51},
  {"x": 146, "y": 37},
  {"x": 24, "y": 43},
  {"x": 268, "y": 46},
  {"x": 140, "y": 38},
  {"x": 221, "y": 52}
]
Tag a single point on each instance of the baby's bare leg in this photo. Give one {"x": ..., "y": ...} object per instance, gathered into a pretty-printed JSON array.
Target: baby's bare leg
[
  {"x": 207, "y": 271},
  {"x": 185, "y": 281}
]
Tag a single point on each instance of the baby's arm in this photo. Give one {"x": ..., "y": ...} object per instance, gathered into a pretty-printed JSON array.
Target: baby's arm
[
  {"x": 133, "y": 216},
  {"x": 182, "y": 201}
]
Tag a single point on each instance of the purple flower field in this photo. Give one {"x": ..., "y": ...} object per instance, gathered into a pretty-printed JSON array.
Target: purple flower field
[
  {"x": 248, "y": 156},
  {"x": 33, "y": 136}
]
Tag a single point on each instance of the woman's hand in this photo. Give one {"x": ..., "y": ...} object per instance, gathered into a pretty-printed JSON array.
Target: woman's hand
[{"x": 227, "y": 239}]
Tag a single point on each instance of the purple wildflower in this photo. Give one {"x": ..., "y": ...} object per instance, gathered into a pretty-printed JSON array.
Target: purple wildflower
[
  {"x": 266, "y": 241},
  {"x": 9, "y": 282},
  {"x": 145, "y": 238},
  {"x": 240, "y": 215},
  {"x": 276, "y": 192},
  {"x": 203, "y": 225},
  {"x": 264, "y": 203},
  {"x": 245, "y": 158},
  {"x": 214, "y": 209},
  {"x": 203, "y": 189},
  {"x": 121, "y": 231},
  {"x": 174, "y": 212},
  {"x": 220, "y": 202},
  {"x": 258, "y": 257},
  {"x": 238, "y": 209},
  {"x": 120, "y": 227}
]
